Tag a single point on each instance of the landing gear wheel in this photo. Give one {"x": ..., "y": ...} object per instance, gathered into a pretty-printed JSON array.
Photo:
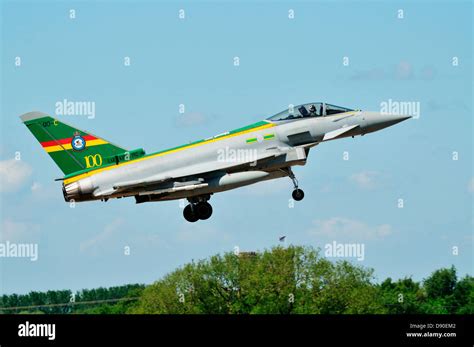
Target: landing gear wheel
[
  {"x": 203, "y": 210},
  {"x": 190, "y": 214},
  {"x": 297, "y": 194}
]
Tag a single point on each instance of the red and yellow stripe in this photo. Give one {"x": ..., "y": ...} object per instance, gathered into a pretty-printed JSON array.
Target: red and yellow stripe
[{"x": 65, "y": 144}]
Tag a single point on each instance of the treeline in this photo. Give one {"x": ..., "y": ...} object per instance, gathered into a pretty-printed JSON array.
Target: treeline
[
  {"x": 299, "y": 280},
  {"x": 100, "y": 300},
  {"x": 289, "y": 280}
]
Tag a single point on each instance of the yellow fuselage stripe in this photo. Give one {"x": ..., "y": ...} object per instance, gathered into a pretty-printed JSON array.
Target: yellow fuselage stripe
[{"x": 80, "y": 176}]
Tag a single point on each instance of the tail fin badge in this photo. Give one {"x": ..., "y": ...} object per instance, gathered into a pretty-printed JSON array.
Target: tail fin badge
[{"x": 78, "y": 143}]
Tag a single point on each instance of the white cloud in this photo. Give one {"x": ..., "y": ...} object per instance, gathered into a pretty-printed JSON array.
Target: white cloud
[
  {"x": 108, "y": 231},
  {"x": 365, "y": 179},
  {"x": 404, "y": 70},
  {"x": 344, "y": 228},
  {"x": 15, "y": 231},
  {"x": 470, "y": 186},
  {"x": 43, "y": 192},
  {"x": 35, "y": 187},
  {"x": 13, "y": 174}
]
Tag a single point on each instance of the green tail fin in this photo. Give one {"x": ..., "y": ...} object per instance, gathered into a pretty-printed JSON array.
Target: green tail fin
[{"x": 71, "y": 149}]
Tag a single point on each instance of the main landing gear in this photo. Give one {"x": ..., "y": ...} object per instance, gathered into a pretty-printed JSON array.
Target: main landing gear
[
  {"x": 297, "y": 194},
  {"x": 198, "y": 208}
]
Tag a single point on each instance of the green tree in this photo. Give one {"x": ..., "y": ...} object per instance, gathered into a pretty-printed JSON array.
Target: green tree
[
  {"x": 281, "y": 280},
  {"x": 402, "y": 296},
  {"x": 441, "y": 283},
  {"x": 463, "y": 296},
  {"x": 290, "y": 280},
  {"x": 439, "y": 289}
]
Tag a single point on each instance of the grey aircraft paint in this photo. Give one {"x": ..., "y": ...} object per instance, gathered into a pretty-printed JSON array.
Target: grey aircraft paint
[{"x": 197, "y": 172}]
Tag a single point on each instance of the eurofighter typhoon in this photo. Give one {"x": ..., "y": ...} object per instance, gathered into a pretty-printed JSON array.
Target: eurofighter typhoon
[{"x": 96, "y": 169}]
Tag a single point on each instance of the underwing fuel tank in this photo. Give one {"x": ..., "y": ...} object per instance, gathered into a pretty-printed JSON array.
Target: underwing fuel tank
[
  {"x": 225, "y": 181},
  {"x": 245, "y": 177}
]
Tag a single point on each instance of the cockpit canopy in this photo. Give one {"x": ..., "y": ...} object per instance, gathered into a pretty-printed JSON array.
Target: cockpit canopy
[{"x": 315, "y": 109}]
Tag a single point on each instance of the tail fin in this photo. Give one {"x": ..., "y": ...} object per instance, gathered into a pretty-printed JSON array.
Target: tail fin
[{"x": 71, "y": 149}]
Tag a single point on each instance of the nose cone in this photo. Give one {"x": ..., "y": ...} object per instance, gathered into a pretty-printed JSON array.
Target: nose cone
[
  {"x": 376, "y": 121},
  {"x": 392, "y": 119}
]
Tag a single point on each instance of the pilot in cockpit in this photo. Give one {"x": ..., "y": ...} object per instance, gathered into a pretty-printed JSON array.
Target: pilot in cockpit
[{"x": 312, "y": 111}]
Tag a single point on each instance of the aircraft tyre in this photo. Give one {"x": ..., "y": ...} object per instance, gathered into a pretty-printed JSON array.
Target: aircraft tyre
[
  {"x": 297, "y": 194},
  {"x": 190, "y": 214},
  {"x": 203, "y": 210}
]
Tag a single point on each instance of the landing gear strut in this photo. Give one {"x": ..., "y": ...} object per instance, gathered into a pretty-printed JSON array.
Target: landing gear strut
[
  {"x": 297, "y": 194},
  {"x": 198, "y": 208}
]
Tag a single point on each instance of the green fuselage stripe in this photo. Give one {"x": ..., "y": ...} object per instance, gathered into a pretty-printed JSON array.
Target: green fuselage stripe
[{"x": 235, "y": 131}]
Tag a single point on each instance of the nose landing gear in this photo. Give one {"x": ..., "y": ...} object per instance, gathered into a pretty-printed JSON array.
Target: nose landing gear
[{"x": 297, "y": 194}]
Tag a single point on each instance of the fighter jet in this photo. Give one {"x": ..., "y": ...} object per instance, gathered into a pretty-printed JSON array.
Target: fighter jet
[{"x": 96, "y": 169}]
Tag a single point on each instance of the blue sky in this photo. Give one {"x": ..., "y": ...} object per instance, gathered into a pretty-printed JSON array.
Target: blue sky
[{"x": 282, "y": 61}]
